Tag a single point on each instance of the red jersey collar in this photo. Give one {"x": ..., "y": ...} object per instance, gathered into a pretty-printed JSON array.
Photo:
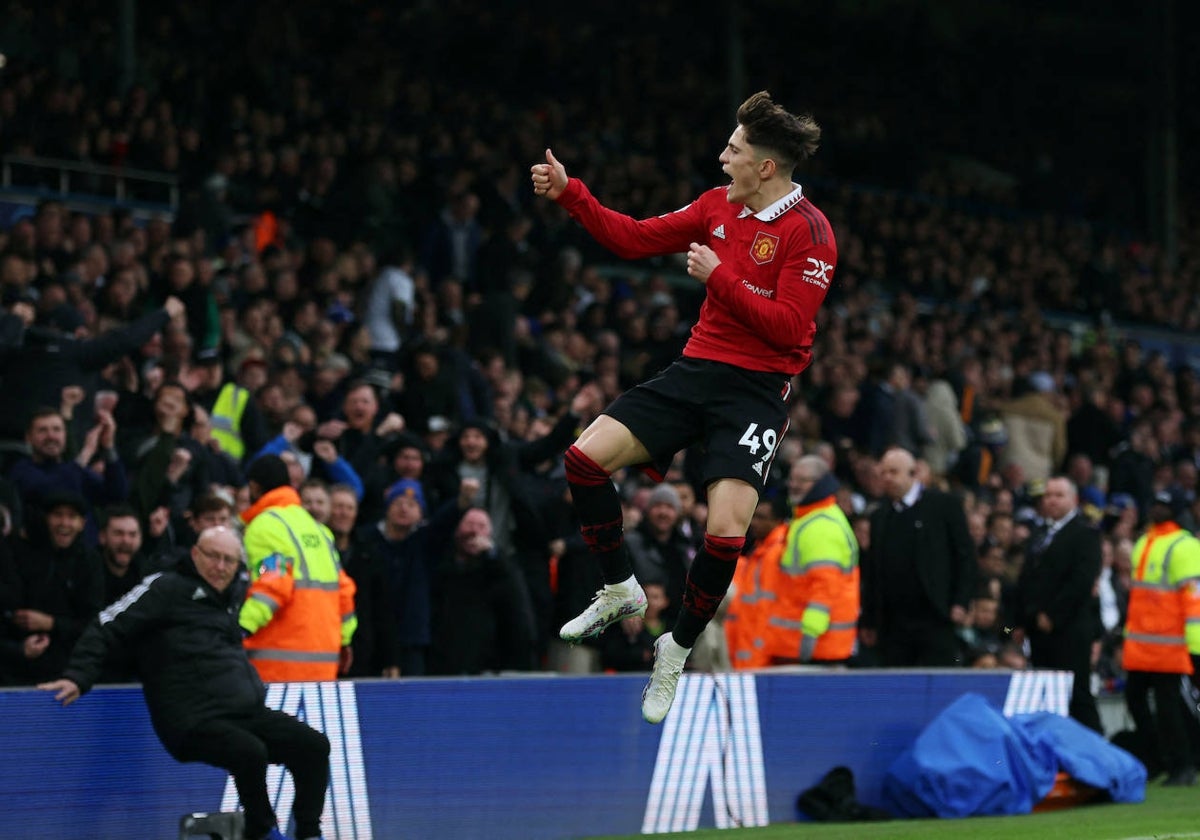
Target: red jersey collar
[{"x": 773, "y": 211}]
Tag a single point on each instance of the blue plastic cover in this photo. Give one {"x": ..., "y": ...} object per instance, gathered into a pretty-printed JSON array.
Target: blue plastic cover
[{"x": 972, "y": 761}]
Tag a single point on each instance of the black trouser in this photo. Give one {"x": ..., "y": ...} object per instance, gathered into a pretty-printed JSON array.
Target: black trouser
[
  {"x": 1069, "y": 650},
  {"x": 245, "y": 746},
  {"x": 1165, "y": 731},
  {"x": 912, "y": 642}
]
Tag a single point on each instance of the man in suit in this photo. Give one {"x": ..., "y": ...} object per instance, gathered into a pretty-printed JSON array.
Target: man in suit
[
  {"x": 918, "y": 574},
  {"x": 1056, "y": 610}
]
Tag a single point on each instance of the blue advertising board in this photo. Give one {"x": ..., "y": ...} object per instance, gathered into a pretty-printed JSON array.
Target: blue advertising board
[{"x": 524, "y": 757}]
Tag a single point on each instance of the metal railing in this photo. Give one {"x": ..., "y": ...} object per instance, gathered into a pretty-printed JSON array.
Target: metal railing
[{"x": 72, "y": 178}]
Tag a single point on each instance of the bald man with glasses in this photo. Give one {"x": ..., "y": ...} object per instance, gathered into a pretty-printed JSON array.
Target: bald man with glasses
[{"x": 205, "y": 699}]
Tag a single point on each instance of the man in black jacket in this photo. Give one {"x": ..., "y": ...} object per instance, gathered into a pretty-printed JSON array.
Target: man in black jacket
[
  {"x": 1056, "y": 610},
  {"x": 58, "y": 586},
  {"x": 204, "y": 697},
  {"x": 918, "y": 574}
]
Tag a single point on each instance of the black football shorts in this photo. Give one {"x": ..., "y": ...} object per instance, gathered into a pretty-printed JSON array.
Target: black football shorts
[{"x": 737, "y": 416}]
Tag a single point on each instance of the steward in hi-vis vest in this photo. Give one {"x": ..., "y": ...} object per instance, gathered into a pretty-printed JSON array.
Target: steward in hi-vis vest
[
  {"x": 299, "y": 613},
  {"x": 226, "y": 419},
  {"x": 1162, "y": 636},
  {"x": 750, "y": 603},
  {"x": 814, "y": 617}
]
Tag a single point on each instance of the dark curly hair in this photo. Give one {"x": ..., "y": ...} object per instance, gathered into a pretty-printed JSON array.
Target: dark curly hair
[{"x": 790, "y": 138}]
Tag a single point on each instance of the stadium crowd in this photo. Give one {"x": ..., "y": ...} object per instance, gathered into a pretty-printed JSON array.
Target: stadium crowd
[{"x": 358, "y": 280}]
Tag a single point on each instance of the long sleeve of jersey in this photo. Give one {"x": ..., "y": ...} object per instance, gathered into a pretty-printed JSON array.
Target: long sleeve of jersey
[{"x": 776, "y": 266}]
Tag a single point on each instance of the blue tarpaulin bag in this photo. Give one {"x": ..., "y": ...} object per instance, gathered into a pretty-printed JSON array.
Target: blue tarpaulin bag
[{"x": 972, "y": 761}]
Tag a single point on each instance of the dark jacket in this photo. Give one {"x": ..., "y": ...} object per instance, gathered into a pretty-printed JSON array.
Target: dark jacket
[
  {"x": 374, "y": 641},
  {"x": 409, "y": 567},
  {"x": 38, "y": 480},
  {"x": 663, "y": 561},
  {"x": 944, "y": 557},
  {"x": 1058, "y": 579},
  {"x": 482, "y": 616},
  {"x": 67, "y": 584},
  {"x": 35, "y": 372},
  {"x": 189, "y": 651},
  {"x": 506, "y": 461}
]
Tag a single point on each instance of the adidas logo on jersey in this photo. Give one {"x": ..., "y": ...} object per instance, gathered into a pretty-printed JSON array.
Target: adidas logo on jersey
[
  {"x": 719, "y": 231},
  {"x": 198, "y": 594},
  {"x": 758, "y": 467}
]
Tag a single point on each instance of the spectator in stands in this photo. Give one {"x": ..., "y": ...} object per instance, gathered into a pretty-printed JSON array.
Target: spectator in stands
[
  {"x": 314, "y": 498},
  {"x": 1133, "y": 464},
  {"x": 1037, "y": 428},
  {"x": 362, "y": 436},
  {"x": 501, "y": 469},
  {"x": 1091, "y": 430},
  {"x": 947, "y": 432},
  {"x": 237, "y": 426},
  {"x": 405, "y": 457},
  {"x": 374, "y": 642},
  {"x": 35, "y": 372},
  {"x": 898, "y": 415},
  {"x": 59, "y": 583},
  {"x": 431, "y": 390},
  {"x": 168, "y": 543},
  {"x": 658, "y": 548},
  {"x": 223, "y": 471},
  {"x": 170, "y": 471},
  {"x": 317, "y": 456},
  {"x": 390, "y": 307},
  {"x": 95, "y": 474},
  {"x": 17, "y": 647},
  {"x": 482, "y": 615},
  {"x": 121, "y": 551},
  {"x": 983, "y": 632},
  {"x": 407, "y": 546},
  {"x": 205, "y": 703}
]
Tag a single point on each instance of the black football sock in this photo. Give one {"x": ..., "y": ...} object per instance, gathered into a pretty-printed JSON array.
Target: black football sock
[
  {"x": 599, "y": 509},
  {"x": 707, "y": 582}
]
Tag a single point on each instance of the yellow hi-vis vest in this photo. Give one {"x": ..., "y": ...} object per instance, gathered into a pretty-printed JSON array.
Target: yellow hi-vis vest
[
  {"x": 299, "y": 611},
  {"x": 1163, "y": 624},
  {"x": 816, "y": 586},
  {"x": 226, "y": 419}
]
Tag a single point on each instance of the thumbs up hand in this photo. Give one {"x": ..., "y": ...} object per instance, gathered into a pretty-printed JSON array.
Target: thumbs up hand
[{"x": 549, "y": 178}]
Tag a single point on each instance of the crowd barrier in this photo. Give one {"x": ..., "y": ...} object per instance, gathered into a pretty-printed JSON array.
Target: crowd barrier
[{"x": 518, "y": 758}]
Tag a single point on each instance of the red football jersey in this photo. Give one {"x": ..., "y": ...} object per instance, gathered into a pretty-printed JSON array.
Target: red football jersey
[{"x": 776, "y": 266}]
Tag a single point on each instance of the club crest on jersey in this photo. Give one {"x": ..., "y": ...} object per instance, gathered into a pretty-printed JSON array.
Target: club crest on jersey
[{"x": 762, "y": 251}]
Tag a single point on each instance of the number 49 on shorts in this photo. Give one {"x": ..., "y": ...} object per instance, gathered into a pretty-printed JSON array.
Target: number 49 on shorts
[{"x": 754, "y": 442}]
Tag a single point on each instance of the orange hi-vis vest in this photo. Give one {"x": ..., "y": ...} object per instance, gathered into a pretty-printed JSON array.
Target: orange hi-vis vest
[
  {"x": 816, "y": 583},
  {"x": 299, "y": 611},
  {"x": 1163, "y": 625},
  {"x": 747, "y": 611}
]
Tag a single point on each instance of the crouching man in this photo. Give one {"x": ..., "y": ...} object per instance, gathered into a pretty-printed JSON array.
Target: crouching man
[{"x": 205, "y": 699}]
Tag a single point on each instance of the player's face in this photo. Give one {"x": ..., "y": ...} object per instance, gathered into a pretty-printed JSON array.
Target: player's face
[{"x": 741, "y": 164}]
